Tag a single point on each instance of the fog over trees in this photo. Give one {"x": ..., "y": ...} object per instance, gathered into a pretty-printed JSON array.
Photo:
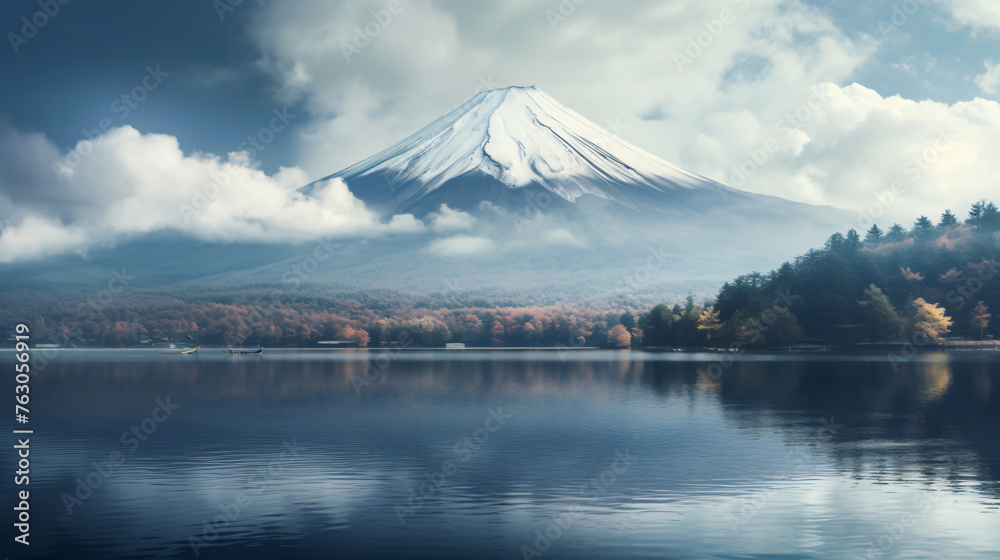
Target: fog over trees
[{"x": 926, "y": 283}]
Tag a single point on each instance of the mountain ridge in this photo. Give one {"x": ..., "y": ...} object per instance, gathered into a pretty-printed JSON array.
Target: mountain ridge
[{"x": 518, "y": 136}]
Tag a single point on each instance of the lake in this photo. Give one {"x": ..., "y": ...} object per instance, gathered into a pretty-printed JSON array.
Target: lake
[{"x": 511, "y": 454}]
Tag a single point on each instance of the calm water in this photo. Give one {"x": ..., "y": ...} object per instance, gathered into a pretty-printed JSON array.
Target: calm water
[{"x": 511, "y": 454}]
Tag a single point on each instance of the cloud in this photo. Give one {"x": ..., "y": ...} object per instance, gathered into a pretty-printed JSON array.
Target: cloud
[
  {"x": 127, "y": 183},
  {"x": 447, "y": 220},
  {"x": 687, "y": 81},
  {"x": 977, "y": 14},
  {"x": 990, "y": 79},
  {"x": 711, "y": 89},
  {"x": 37, "y": 237},
  {"x": 462, "y": 246},
  {"x": 850, "y": 146}
]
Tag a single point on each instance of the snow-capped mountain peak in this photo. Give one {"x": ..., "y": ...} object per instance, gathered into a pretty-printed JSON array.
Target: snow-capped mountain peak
[{"x": 518, "y": 136}]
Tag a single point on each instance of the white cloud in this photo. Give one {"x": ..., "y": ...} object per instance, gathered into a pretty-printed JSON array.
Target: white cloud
[
  {"x": 855, "y": 144},
  {"x": 37, "y": 237},
  {"x": 430, "y": 58},
  {"x": 990, "y": 79},
  {"x": 977, "y": 14},
  {"x": 131, "y": 183},
  {"x": 751, "y": 81},
  {"x": 447, "y": 220},
  {"x": 702, "y": 116},
  {"x": 462, "y": 246}
]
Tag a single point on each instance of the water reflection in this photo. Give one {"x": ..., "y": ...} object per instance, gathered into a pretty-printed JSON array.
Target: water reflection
[{"x": 777, "y": 457}]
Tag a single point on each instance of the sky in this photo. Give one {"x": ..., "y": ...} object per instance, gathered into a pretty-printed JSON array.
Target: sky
[{"x": 126, "y": 117}]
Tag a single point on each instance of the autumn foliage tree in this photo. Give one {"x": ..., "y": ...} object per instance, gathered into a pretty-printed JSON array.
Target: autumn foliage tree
[
  {"x": 980, "y": 318},
  {"x": 619, "y": 337},
  {"x": 929, "y": 320},
  {"x": 708, "y": 321}
]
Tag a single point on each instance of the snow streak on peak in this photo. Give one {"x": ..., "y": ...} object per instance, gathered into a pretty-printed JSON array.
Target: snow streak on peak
[{"x": 522, "y": 136}]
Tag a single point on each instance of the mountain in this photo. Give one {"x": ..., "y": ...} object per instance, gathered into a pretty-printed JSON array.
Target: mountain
[
  {"x": 519, "y": 194},
  {"x": 514, "y": 139},
  {"x": 530, "y": 170}
]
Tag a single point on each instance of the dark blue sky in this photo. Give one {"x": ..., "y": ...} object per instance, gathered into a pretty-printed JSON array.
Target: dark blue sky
[{"x": 66, "y": 78}]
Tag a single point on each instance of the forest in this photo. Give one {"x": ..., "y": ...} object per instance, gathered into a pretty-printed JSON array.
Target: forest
[{"x": 929, "y": 283}]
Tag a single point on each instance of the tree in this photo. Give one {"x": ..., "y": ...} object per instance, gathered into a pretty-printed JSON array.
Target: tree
[
  {"x": 656, "y": 325},
  {"x": 784, "y": 330},
  {"x": 619, "y": 337},
  {"x": 879, "y": 319},
  {"x": 427, "y": 331},
  {"x": 980, "y": 318},
  {"x": 948, "y": 220},
  {"x": 923, "y": 227},
  {"x": 688, "y": 305},
  {"x": 976, "y": 213},
  {"x": 991, "y": 217},
  {"x": 853, "y": 241},
  {"x": 637, "y": 335},
  {"x": 746, "y": 329},
  {"x": 874, "y": 234},
  {"x": 929, "y": 320},
  {"x": 709, "y": 321},
  {"x": 835, "y": 243},
  {"x": 896, "y": 233},
  {"x": 497, "y": 333},
  {"x": 984, "y": 216},
  {"x": 627, "y": 319}
]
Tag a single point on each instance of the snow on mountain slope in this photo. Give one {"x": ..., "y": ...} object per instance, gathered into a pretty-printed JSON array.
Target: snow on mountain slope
[{"x": 520, "y": 136}]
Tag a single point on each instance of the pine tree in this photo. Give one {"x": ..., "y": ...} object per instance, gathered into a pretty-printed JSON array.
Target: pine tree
[
  {"x": 895, "y": 233},
  {"x": 874, "y": 234},
  {"x": 923, "y": 227},
  {"x": 990, "y": 220},
  {"x": 984, "y": 216},
  {"x": 976, "y": 214},
  {"x": 948, "y": 220}
]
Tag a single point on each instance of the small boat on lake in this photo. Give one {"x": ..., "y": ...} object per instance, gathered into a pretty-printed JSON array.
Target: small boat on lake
[
  {"x": 244, "y": 351},
  {"x": 189, "y": 351}
]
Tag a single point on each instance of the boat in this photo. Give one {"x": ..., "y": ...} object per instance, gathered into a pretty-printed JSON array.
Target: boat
[
  {"x": 189, "y": 351},
  {"x": 242, "y": 351}
]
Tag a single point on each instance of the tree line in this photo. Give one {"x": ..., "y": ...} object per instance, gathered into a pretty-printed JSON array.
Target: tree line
[{"x": 919, "y": 284}]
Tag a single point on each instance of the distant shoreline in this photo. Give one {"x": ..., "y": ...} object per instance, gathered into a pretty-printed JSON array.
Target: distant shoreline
[{"x": 863, "y": 349}]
